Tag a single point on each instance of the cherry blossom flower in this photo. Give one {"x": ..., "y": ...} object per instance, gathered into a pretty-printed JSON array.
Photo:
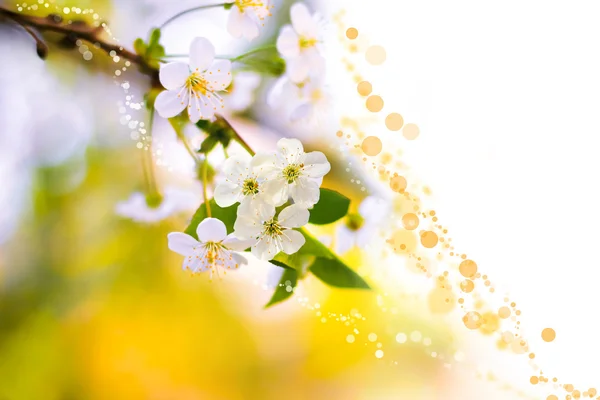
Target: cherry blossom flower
[
  {"x": 247, "y": 17},
  {"x": 194, "y": 85},
  {"x": 272, "y": 234},
  {"x": 240, "y": 94},
  {"x": 290, "y": 172},
  {"x": 298, "y": 43},
  {"x": 241, "y": 184},
  {"x": 214, "y": 248},
  {"x": 140, "y": 208},
  {"x": 314, "y": 101},
  {"x": 359, "y": 229}
]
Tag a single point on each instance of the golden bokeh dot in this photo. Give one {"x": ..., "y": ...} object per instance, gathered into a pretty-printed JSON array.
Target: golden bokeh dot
[
  {"x": 403, "y": 241},
  {"x": 508, "y": 337},
  {"x": 398, "y": 183},
  {"x": 410, "y": 131},
  {"x": 352, "y": 33},
  {"x": 534, "y": 380},
  {"x": 429, "y": 239},
  {"x": 473, "y": 320},
  {"x": 371, "y": 146},
  {"x": 374, "y": 103},
  {"x": 491, "y": 323},
  {"x": 519, "y": 346},
  {"x": 569, "y": 388},
  {"x": 552, "y": 397},
  {"x": 410, "y": 221},
  {"x": 364, "y": 88},
  {"x": 504, "y": 312},
  {"x": 375, "y": 55},
  {"x": 394, "y": 122},
  {"x": 548, "y": 335},
  {"x": 468, "y": 268},
  {"x": 441, "y": 300},
  {"x": 467, "y": 286}
]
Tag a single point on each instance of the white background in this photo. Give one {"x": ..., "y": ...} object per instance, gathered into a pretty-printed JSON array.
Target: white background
[{"x": 507, "y": 97}]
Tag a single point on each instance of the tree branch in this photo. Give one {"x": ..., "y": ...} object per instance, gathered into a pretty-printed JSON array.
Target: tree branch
[{"x": 79, "y": 30}]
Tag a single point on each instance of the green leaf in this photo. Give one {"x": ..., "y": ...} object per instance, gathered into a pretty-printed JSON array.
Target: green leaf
[
  {"x": 281, "y": 264},
  {"x": 208, "y": 144},
  {"x": 335, "y": 273},
  {"x": 140, "y": 47},
  {"x": 286, "y": 286},
  {"x": 314, "y": 247},
  {"x": 154, "y": 37},
  {"x": 227, "y": 215},
  {"x": 331, "y": 207}
]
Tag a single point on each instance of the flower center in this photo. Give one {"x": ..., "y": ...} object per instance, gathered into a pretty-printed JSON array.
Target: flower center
[
  {"x": 306, "y": 43},
  {"x": 272, "y": 228},
  {"x": 316, "y": 95},
  {"x": 197, "y": 83},
  {"x": 250, "y": 187},
  {"x": 242, "y": 4},
  {"x": 212, "y": 251},
  {"x": 354, "y": 221},
  {"x": 292, "y": 172},
  {"x": 154, "y": 200}
]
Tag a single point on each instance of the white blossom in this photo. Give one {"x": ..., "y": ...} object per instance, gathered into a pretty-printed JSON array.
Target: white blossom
[
  {"x": 247, "y": 17},
  {"x": 299, "y": 43},
  {"x": 194, "y": 85},
  {"x": 290, "y": 172},
  {"x": 272, "y": 234},
  {"x": 241, "y": 184},
  {"x": 240, "y": 94},
  {"x": 360, "y": 229},
  {"x": 214, "y": 248},
  {"x": 173, "y": 201}
]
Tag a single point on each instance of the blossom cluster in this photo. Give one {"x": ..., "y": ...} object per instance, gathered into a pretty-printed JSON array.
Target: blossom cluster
[
  {"x": 275, "y": 190},
  {"x": 288, "y": 178}
]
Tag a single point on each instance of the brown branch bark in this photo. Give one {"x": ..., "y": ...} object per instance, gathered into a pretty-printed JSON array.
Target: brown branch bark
[{"x": 82, "y": 31}]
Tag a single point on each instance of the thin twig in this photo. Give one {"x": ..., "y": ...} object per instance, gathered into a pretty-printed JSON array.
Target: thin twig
[
  {"x": 82, "y": 31},
  {"x": 174, "y": 17}
]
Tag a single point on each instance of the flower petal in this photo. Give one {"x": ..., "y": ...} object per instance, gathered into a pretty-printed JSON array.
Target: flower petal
[
  {"x": 373, "y": 209},
  {"x": 227, "y": 193},
  {"x": 277, "y": 190},
  {"x": 173, "y": 75},
  {"x": 237, "y": 167},
  {"x": 345, "y": 239},
  {"x": 291, "y": 149},
  {"x": 233, "y": 243},
  {"x": 288, "y": 42},
  {"x": 197, "y": 264},
  {"x": 315, "y": 165},
  {"x": 365, "y": 234},
  {"x": 239, "y": 259},
  {"x": 264, "y": 165},
  {"x": 293, "y": 216},
  {"x": 211, "y": 230},
  {"x": 170, "y": 103},
  {"x": 218, "y": 75},
  {"x": 207, "y": 109},
  {"x": 292, "y": 241},
  {"x": 302, "y": 21},
  {"x": 298, "y": 68},
  {"x": 265, "y": 249},
  {"x": 303, "y": 111},
  {"x": 250, "y": 28},
  {"x": 305, "y": 192},
  {"x": 182, "y": 243},
  {"x": 202, "y": 54},
  {"x": 234, "y": 22},
  {"x": 193, "y": 108}
]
